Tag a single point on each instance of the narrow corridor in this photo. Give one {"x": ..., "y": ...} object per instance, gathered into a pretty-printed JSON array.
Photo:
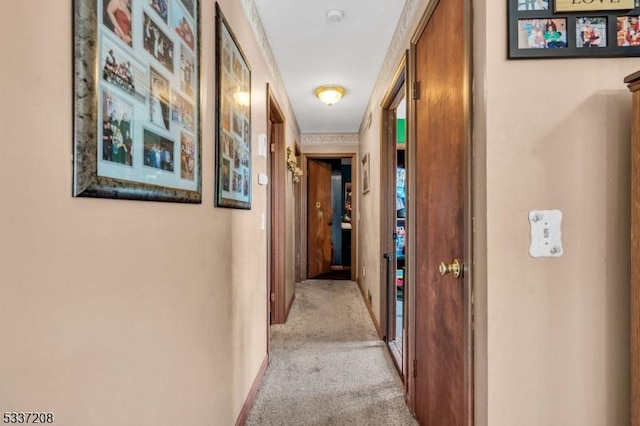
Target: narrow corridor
[{"x": 327, "y": 365}]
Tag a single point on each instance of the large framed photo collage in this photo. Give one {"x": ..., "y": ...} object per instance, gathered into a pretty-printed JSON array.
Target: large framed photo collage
[
  {"x": 137, "y": 100},
  {"x": 233, "y": 131}
]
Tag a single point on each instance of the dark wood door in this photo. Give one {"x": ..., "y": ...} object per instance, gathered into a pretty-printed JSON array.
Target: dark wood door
[
  {"x": 442, "y": 387},
  {"x": 319, "y": 221}
]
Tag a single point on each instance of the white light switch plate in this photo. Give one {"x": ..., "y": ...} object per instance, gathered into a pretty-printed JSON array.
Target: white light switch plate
[
  {"x": 262, "y": 145},
  {"x": 546, "y": 233}
]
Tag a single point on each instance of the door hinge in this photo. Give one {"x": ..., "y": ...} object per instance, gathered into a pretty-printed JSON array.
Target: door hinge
[
  {"x": 415, "y": 90},
  {"x": 273, "y": 297},
  {"x": 414, "y": 368},
  {"x": 273, "y": 147}
]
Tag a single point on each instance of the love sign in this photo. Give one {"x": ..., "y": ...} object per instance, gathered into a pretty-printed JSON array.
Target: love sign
[{"x": 592, "y": 5}]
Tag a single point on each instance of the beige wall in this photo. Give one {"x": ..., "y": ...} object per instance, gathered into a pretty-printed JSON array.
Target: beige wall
[
  {"x": 368, "y": 216},
  {"x": 290, "y": 238},
  {"x": 120, "y": 312},
  {"x": 557, "y": 328},
  {"x": 552, "y": 334}
]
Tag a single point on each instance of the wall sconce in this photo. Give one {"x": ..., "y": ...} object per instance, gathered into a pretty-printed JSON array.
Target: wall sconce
[
  {"x": 292, "y": 165},
  {"x": 330, "y": 94}
]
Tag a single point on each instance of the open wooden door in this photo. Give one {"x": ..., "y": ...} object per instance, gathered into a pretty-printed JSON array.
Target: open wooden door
[
  {"x": 443, "y": 343},
  {"x": 319, "y": 218}
]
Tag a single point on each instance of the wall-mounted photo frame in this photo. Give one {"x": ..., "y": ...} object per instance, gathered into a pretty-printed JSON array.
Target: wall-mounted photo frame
[
  {"x": 366, "y": 173},
  {"x": 573, "y": 28},
  {"x": 348, "y": 204},
  {"x": 136, "y": 100},
  {"x": 233, "y": 124}
]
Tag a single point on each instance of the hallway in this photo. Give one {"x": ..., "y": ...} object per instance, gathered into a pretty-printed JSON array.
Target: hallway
[
  {"x": 137, "y": 293},
  {"x": 327, "y": 365}
]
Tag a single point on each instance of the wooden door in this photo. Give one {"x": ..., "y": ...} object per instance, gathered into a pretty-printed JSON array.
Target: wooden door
[
  {"x": 319, "y": 220},
  {"x": 443, "y": 386}
]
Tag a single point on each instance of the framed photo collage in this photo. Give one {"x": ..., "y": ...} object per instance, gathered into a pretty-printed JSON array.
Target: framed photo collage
[
  {"x": 233, "y": 131},
  {"x": 137, "y": 106},
  {"x": 573, "y": 28},
  {"x": 137, "y": 99}
]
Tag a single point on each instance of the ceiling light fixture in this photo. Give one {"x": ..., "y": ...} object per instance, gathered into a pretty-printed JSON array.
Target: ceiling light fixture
[
  {"x": 330, "y": 94},
  {"x": 334, "y": 16}
]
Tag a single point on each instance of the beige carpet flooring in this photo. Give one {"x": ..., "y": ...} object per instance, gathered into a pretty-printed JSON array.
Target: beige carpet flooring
[{"x": 327, "y": 365}]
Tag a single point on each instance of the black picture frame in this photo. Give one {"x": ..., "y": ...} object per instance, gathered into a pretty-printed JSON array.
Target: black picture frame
[
  {"x": 136, "y": 100},
  {"x": 233, "y": 124},
  {"x": 536, "y": 31},
  {"x": 366, "y": 173}
]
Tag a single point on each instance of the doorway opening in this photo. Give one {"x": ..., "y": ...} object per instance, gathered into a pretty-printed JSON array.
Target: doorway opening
[
  {"x": 397, "y": 288},
  {"x": 394, "y": 235},
  {"x": 329, "y": 224}
]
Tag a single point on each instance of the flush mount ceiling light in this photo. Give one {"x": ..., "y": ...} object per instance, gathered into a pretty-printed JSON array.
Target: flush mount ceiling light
[
  {"x": 334, "y": 16},
  {"x": 330, "y": 94}
]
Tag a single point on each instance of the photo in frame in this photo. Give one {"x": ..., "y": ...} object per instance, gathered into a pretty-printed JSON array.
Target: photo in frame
[
  {"x": 366, "y": 173},
  {"x": 233, "y": 128},
  {"x": 137, "y": 100},
  {"x": 573, "y": 29}
]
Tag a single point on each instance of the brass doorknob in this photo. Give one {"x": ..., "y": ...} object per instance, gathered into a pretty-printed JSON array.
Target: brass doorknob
[{"x": 454, "y": 268}]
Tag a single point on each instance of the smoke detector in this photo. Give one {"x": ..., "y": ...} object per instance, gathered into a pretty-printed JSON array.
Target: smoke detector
[{"x": 334, "y": 16}]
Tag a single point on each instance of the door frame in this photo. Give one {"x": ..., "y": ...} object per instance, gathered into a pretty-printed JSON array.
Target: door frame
[
  {"x": 468, "y": 165},
  {"x": 390, "y": 101},
  {"x": 297, "y": 217},
  {"x": 354, "y": 205},
  {"x": 276, "y": 290}
]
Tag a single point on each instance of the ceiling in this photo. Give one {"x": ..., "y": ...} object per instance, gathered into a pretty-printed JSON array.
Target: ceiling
[{"x": 312, "y": 52}]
